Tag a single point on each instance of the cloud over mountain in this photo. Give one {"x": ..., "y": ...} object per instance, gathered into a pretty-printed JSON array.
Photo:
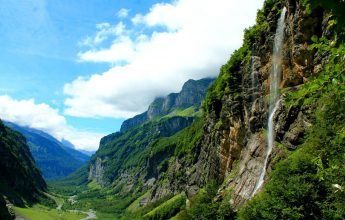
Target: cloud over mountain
[
  {"x": 45, "y": 118},
  {"x": 157, "y": 53}
]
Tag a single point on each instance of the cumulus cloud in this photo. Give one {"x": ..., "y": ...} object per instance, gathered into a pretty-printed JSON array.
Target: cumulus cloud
[
  {"x": 181, "y": 40},
  {"x": 43, "y": 117}
]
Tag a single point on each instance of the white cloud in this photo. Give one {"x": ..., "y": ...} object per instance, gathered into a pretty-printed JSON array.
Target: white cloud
[
  {"x": 43, "y": 117},
  {"x": 122, "y": 13},
  {"x": 138, "y": 19},
  {"x": 105, "y": 31},
  {"x": 199, "y": 37},
  {"x": 120, "y": 50}
]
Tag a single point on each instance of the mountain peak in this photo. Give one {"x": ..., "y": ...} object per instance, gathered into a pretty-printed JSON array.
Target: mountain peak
[{"x": 192, "y": 94}]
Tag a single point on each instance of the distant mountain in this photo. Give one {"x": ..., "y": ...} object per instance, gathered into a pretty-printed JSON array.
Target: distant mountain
[
  {"x": 54, "y": 158},
  {"x": 87, "y": 152},
  {"x": 70, "y": 145},
  {"x": 144, "y": 156},
  {"x": 20, "y": 180},
  {"x": 192, "y": 94},
  {"x": 67, "y": 143},
  {"x": 138, "y": 144}
]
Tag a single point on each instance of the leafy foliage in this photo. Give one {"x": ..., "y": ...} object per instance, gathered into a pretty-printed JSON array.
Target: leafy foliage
[
  {"x": 335, "y": 7},
  {"x": 203, "y": 205}
]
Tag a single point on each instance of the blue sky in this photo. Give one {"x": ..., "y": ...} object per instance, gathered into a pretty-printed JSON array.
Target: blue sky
[
  {"x": 39, "y": 44},
  {"x": 76, "y": 69}
]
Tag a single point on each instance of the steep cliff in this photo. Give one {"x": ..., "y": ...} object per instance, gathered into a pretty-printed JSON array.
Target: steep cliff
[
  {"x": 234, "y": 143},
  {"x": 20, "y": 180},
  {"x": 233, "y": 148},
  {"x": 234, "y": 138}
]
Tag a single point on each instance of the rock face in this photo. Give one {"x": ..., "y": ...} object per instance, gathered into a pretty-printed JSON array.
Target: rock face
[
  {"x": 136, "y": 120},
  {"x": 192, "y": 94},
  {"x": 233, "y": 146},
  {"x": 96, "y": 172}
]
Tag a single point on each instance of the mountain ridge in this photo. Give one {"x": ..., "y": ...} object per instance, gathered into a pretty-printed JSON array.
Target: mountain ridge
[
  {"x": 191, "y": 94},
  {"x": 21, "y": 182},
  {"x": 53, "y": 158}
]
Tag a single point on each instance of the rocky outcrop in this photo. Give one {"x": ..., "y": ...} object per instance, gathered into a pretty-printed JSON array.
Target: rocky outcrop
[
  {"x": 96, "y": 172},
  {"x": 6, "y": 213},
  {"x": 106, "y": 139},
  {"x": 192, "y": 94},
  {"x": 172, "y": 125},
  {"x": 136, "y": 120}
]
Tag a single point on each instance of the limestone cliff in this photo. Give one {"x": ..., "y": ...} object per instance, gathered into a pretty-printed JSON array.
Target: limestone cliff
[{"x": 234, "y": 142}]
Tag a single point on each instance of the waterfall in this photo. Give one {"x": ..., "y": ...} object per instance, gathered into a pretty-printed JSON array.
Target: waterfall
[
  {"x": 253, "y": 77},
  {"x": 274, "y": 93},
  {"x": 253, "y": 88}
]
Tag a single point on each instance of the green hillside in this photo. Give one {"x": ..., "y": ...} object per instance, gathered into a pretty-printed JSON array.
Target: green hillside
[
  {"x": 21, "y": 182},
  {"x": 215, "y": 161}
]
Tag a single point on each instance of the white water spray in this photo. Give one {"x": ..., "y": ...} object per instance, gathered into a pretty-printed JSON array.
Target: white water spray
[
  {"x": 253, "y": 77},
  {"x": 274, "y": 93}
]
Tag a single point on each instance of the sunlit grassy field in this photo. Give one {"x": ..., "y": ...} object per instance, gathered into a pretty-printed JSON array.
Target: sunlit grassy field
[{"x": 39, "y": 212}]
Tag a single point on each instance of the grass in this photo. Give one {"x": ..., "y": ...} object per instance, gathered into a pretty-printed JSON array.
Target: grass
[
  {"x": 188, "y": 112},
  {"x": 57, "y": 198},
  {"x": 135, "y": 205},
  {"x": 180, "y": 216},
  {"x": 93, "y": 185},
  {"x": 39, "y": 212},
  {"x": 168, "y": 209}
]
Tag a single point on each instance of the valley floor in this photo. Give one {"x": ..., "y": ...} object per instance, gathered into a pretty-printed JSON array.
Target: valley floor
[
  {"x": 39, "y": 212},
  {"x": 43, "y": 212}
]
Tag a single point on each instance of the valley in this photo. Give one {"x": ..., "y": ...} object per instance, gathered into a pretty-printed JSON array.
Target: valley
[{"x": 263, "y": 140}]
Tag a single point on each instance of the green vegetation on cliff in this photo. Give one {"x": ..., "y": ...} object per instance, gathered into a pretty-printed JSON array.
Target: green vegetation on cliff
[
  {"x": 309, "y": 182},
  {"x": 21, "y": 182},
  {"x": 229, "y": 80},
  {"x": 52, "y": 157}
]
